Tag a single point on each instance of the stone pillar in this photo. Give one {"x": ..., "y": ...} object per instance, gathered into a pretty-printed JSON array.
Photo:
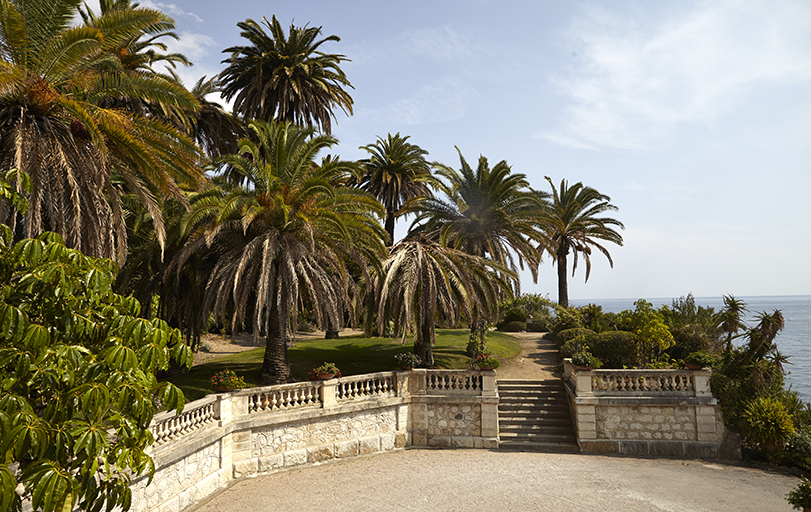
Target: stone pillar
[
  {"x": 329, "y": 393},
  {"x": 489, "y": 383},
  {"x": 706, "y": 423},
  {"x": 702, "y": 383},
  {"x": 419, "y": 423},
  {"x": 585, "y": 421},
  {"x": 583, "y": 382},
  {"x": 489, "y": 419}
]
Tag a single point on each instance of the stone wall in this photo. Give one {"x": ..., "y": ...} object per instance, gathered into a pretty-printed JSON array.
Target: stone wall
[
  {"x": 641, "y": 412},
  {"x": 261, "y": 430}
]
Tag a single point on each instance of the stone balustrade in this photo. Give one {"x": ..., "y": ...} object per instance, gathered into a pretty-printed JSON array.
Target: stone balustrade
[
  {"x": 258, "y": 430},
  {"x": 169, "y": 426},
  {"x": 647, "y": 412}
]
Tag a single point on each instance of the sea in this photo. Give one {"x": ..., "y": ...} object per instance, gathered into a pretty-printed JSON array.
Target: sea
[{"x": 793, "y": 341}]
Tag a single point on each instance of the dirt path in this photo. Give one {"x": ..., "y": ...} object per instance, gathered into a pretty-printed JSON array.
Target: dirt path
[{"x": 537, "y": 360}]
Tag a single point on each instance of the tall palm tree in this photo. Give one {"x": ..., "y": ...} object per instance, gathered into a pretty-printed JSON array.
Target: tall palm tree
[
  {"x": 731, "y": 318},
  {"x": 396, "y": 172},
  {"x": 573, "y": 226},
  {"x": 285, "y": 77},
  {"x": 216, "y": 130},
  {"x": 59, "y": 124},
  {"x": 283, "y": 239},
  {"x": 487, "y": 212},
  {"x": 422, "y": 280},
  {"x": 490, "y": 213}
]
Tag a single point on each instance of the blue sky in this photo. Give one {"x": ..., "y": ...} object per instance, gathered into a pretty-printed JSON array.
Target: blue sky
[{"x": 694, "y": 117}]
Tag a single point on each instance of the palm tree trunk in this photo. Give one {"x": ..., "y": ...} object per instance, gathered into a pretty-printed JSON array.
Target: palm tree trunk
[
  {"x": 275, "y": 365},
  {"x": 563, "y": 284},
  {"x": 389, "y": 226},
  {"x": 423, "y": 346}
]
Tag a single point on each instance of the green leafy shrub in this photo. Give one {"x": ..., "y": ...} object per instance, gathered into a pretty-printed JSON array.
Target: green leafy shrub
[
  {"x": 567, "y": 318},
  {"x": 542, "y": 325},
  {"x": 616, "y": 349},
  {"x": 586, "y": 359},
  {"x": 800, "y": 497},
  {"x": 571, "y": 348},
  {"x": 227, "y": 379},
  {"x": 798, "y": 449},
  {"x": 574, "y": 333},
  {"x": 76, "y": 363},
  {"x": 766, "y": 421},
  {"x": 307, "y": 327},
  {"x": 408, "y": 359},
  {"x": 701, "y": 359},
  {"x": 485, "y": 362},
  {"x": 512, "y": 326}
]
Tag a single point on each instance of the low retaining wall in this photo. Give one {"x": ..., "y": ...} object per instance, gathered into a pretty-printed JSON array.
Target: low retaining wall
[
  {"x": 647, "y": 412},
  {"x": 260, "y": 430}
]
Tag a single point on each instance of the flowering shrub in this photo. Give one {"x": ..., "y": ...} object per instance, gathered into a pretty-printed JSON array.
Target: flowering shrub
[
  {"x": 408, "y": 359},
  {"x": 585, "y": 359},
  {"x": 800, "y": 496},
  {"x": 326, "y": 368},
  {"x": 486, "y": 362},
  {"x": 227, "y": 379}
]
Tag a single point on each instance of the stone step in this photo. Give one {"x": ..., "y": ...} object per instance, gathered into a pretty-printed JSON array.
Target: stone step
[
  {"x": 543, "y": 446},
  {"x": 534, "y": 415},
  {"x": 537, "y": 438},
  {"x": 514, "y": 421},
  {"x": 534, "y": 391},
  {"x": 536, "y": 430},
  {"x": 536, "y": 400}
]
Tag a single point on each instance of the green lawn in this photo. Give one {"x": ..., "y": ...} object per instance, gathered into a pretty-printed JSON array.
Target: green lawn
[{"x": 354, "y": 355}]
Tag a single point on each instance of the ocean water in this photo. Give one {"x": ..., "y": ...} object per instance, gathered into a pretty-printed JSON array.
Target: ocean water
[{"x": 793, "y": 341}]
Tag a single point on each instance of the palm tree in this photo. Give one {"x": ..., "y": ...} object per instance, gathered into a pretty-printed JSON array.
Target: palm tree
[
  {"x": 59, "y": 124},
  {"x": 396, "y": 172},
  {"x": 216, "y": 130},
  {"x": 489, "y": 213},
  {"x": 422, "y": 280},
  {"x": 285, "y": 77},
  {"x": 283, "y": 239},
  {"x": 731, "y": 318},
  {"x": 573, "y": 226}
]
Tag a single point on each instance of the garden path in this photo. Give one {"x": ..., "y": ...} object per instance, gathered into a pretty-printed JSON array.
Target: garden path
[{"x": 537, "y": 361}]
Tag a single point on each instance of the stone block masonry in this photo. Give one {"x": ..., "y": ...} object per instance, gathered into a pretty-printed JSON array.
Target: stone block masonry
[
  {"x": 647, "y": 412},
  {"x": 261, "y": 430}
]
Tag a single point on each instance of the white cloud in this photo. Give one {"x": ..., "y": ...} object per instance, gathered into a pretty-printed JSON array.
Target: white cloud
[
  {"x": 171, "y": 9},
  {"x": 636, "y": 80},
  {"x": 194, "y": 46},
  {"x": 440, "y": 44},
  {"x": 445, "y": 100}
]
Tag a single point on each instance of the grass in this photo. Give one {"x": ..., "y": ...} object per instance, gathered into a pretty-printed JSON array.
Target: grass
[{"x": 354, "y": 355}]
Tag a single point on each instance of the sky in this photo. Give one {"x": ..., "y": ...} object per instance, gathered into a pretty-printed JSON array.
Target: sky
[{"x": 693, "y": 116}]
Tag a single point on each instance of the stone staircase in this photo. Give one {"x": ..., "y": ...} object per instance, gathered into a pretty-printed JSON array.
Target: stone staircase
[{"x": 533, "y": 415}]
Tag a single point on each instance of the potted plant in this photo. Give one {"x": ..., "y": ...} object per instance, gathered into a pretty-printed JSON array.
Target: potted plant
[
  {"x": 800, "y": 497},
  {"x": 227, "y": 380},
  {"x": 698, "y": 360},
  {"x": 486, "y": 362},
  {"x": 325, "y": 372},
  {"x": 585, "y": 361},
  {"x": 407, "y": 360}
]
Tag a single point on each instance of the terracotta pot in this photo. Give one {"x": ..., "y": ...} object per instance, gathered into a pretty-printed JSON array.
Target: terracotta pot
[
  {"x": 222, "y": 389},
  {"x": 691, "y": 366},
  {"x": 406, "y": 368},
  {"x": 585, "y": 368},
  {"x": 325, "y": 376}
]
